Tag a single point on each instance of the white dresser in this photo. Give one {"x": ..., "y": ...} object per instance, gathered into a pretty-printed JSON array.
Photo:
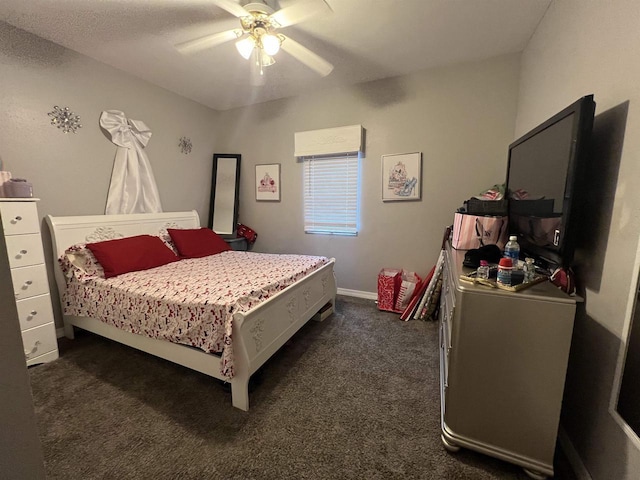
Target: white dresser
[{"x": 21, "y": 226}]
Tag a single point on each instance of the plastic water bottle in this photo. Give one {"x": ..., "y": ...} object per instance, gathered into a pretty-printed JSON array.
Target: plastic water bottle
[
  {"x": 504, "y": 271},
  {"x": 483, "y": 270},
  {"x": 512, "y": 251}
]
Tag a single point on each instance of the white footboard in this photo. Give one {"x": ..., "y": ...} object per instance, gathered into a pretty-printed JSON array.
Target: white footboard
[{"x": 260, "y": 332}]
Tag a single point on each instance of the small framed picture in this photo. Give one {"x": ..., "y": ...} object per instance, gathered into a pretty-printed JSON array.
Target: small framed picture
[
  {"x": 401, "y": 176},
  {"x": 268, "y": 182}
]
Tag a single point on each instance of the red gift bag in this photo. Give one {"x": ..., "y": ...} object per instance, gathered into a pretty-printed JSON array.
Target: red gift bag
[
  {"x": 389, "y": 281},
  {"x": 473, "y": 231},
  {"x": 408, "y": 284}
]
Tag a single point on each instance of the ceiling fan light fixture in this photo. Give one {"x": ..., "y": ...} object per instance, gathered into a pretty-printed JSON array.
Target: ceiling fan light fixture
[
  {"x": 245, "y": 46},
  {"x": 267, "y": 60},
  {"x": 270, "y": 43}
]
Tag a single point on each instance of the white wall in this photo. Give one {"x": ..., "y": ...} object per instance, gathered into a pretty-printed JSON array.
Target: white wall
[
  {"x": 460, "y": 117},
  {"x": 584, "y": 47}
]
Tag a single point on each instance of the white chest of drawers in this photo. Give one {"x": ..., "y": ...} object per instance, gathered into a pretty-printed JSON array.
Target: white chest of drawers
[{"x": 21, "y": 226}]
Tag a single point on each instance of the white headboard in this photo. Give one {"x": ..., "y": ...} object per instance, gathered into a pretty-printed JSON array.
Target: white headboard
[{"x": 67, "y": 231}]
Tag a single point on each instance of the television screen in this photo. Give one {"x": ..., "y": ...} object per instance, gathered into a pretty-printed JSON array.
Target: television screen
[{"x": 543, "y": 184}]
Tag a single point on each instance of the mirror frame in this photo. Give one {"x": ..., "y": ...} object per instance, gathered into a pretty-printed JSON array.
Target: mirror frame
[
  {"x": 225, "y": 193},
  {"x": 633, "y": 309}
]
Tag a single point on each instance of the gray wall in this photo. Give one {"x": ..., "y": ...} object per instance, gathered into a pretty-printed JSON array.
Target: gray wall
[
  {"x": 579, "y": 48},
  {"x": 460, "y": 117},
  {"x": 71, "y": 172}
]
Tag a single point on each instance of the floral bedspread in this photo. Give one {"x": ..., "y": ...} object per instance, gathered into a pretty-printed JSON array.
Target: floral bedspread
[{"x": 191, "y": 301}]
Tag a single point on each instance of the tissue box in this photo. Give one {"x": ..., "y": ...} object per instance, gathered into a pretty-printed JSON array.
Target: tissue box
[{"x": 18, "y": 188}]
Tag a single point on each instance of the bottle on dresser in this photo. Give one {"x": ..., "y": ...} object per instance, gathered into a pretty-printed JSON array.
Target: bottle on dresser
[
  {"x": 512, "y": 251},
  {"x": 483, "y": 270},
  {"x": 504, "y": 271}
]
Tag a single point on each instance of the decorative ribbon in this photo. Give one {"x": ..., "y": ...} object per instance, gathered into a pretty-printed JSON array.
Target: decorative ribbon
[{"x": 133, "y": 186}]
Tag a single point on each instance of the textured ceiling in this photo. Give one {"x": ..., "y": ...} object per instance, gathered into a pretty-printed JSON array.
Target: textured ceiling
[{"x": 364, "y": 39}]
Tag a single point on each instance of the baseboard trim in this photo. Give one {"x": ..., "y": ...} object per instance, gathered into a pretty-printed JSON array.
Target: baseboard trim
[
  {"x": 574, "y": 459},
  {"x": 358, "y": 293}
]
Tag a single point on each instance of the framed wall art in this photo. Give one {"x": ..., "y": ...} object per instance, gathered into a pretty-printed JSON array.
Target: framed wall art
[
  {"x": 401, "y": 176},
  {"x": 268, "y": 182}
]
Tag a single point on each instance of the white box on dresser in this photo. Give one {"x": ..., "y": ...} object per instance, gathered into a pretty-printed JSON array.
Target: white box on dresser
[{"x": 21, "y": 226}]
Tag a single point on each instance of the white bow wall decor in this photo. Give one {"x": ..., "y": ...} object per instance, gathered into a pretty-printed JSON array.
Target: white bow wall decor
[{"x": 133, "y": 187}]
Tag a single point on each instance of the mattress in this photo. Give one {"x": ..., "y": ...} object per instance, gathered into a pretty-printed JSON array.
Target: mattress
[{"x": 192, "y": 301}]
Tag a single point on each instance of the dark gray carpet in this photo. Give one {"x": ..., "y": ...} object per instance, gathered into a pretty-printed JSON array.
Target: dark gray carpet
[{"x": 353, "y": 397}]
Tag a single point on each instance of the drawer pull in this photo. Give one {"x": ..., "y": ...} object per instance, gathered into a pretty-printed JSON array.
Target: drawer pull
[
  {"x": 32, "y": 314},
  {"x": 16, "y": 219},
  {"x": 27, "y": 283},
  {"x": 33, "y": 350},
  {"x": 23, "y": 252}
]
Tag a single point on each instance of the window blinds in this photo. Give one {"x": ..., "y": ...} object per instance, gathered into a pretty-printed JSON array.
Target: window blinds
[
  {"x": 331, "y": 178},
  {"x": 331, "y": 194}
]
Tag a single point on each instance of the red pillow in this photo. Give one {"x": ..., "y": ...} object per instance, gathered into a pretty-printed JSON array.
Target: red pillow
[
  {"x": 197, "y": 242},
  {"x": 131, "y": 254}
]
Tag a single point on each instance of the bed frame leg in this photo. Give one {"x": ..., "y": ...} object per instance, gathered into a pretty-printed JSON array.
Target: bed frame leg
[
  {"x": 240, "y": 392},
  {"x": 68, "y": 331}
]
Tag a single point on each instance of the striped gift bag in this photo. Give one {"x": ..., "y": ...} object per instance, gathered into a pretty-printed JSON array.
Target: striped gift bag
[{"x": 473, "y": 231}]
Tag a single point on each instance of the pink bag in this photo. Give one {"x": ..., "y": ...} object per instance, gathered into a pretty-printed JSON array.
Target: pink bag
[{"x": 473, "y": 231}]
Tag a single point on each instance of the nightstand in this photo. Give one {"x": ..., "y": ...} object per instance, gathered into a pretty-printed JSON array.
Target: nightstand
[
  {"x": 21, "y": 225},
  {"x": 237, "y": 243}
]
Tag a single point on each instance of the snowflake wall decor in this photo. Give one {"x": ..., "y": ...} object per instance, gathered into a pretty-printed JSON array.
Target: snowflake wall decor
[
  {"x": 65, "y": 119},
  {"x": 185, "y": 145}
]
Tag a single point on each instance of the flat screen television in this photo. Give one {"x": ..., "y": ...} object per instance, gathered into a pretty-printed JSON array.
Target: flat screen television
[{"x": 544, "y": 178}]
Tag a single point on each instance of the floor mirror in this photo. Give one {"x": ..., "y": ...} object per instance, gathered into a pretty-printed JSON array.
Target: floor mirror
[
  {"x": 225, "y": 189},
  {"x": 629, "y": 394}
]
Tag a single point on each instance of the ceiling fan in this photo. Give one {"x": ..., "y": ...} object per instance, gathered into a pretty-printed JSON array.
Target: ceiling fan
[{"x": 258, "y": 37}]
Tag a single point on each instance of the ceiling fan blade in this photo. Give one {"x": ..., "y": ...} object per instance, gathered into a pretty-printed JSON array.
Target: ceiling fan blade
[
  {"x": 306, "y": 56},
  {"x": 232, "y": 7},
  {"x": 299, "y": 12},
  {"x": 202, "y": 43}
]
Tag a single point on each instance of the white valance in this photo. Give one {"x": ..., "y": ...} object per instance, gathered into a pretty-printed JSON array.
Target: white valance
[{"x": 329, "y": 141}]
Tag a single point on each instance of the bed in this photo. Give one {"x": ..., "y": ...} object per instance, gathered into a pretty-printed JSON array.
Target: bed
[{"x": 257, "y": 329}]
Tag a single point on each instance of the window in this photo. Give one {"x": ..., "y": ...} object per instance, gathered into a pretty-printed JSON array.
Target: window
[{"x": 331, "y": 194}]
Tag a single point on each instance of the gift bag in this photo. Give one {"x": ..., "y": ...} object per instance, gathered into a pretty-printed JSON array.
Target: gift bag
[
  {"x": 473, "y": 231},
  {"x": 389, "y": 281},
  {"x": 409, "y": 281}
]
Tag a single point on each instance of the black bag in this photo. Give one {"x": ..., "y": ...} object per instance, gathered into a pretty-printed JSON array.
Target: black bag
[{"x": 490, "y": 253}]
